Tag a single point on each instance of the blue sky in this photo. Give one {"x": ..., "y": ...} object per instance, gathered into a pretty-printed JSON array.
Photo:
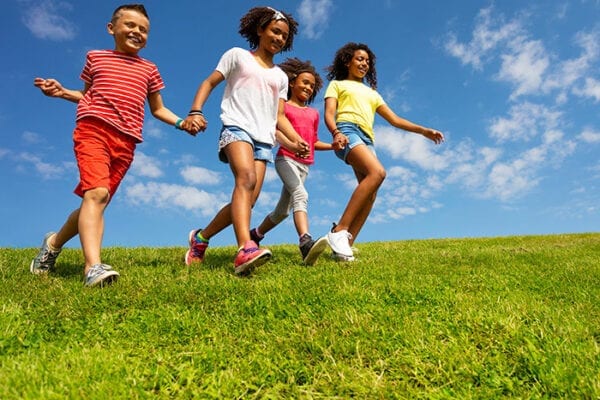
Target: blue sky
[{"x": 514, "y": 86}]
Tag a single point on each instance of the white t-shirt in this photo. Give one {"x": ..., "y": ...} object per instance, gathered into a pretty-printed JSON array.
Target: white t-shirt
[{"x": 252, "y": 94}]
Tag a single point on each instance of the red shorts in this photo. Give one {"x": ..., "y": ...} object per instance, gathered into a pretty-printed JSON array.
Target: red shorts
[{"x": 103, "y": 155}]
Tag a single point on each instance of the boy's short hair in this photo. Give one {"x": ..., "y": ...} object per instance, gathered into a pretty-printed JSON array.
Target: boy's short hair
[{"x": 136, "y": 7}]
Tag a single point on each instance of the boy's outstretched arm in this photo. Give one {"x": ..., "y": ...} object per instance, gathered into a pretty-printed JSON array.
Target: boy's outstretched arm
[
  {"x": 162, "y": 113},
  {"x": 53, "y": 88}
]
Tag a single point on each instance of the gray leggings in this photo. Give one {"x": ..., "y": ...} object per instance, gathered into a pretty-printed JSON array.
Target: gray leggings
[{"x": 293, "y": 194}]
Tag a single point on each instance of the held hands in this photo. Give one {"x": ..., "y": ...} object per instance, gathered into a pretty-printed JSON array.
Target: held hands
[
  {"x": 339, "y": 141},
  {"x": 436, "y": 136},
  {"x": 50, "y": 87},
  {"x": 193, "y": 124},
  {"x": 301, "y": 148}
]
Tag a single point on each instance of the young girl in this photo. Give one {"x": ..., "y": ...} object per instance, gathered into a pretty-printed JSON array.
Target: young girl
[
  {"x": 304, "y": 84},
  {"x": 350, "y": 108},
  {"x": 251, "y": 110}
]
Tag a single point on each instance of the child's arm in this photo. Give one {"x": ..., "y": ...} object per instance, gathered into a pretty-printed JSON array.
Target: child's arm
[
  {"x": 53, "y": 88},
  {"x": 323, "y": 146},
  {"x": 204, "y": 90},
  {"x": 398, "y": 122},
  {"x": 339, "y": 141},
  {"x": 160, "y": 112}
]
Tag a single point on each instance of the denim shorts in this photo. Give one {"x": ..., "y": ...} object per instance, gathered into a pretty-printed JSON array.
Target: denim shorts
[
  {"x": 355, "y": 137},
  {"x": 230, "y": 134}
]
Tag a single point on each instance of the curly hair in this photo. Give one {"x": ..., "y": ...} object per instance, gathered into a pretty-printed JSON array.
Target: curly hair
[
  {"x": 294, "y": 67},
  {"x": 261, "y": 17},
  {"x": 136, "y": 7},
  {"x": 338, "y": 70}
]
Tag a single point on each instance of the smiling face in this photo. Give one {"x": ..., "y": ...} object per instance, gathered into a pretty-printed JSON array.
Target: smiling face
[
  {"x": 358, "y": 65},
  {"x": 273, "y": 37},
  {"x": 130, "y": 30},
  {"x": 302, "y": 87}
]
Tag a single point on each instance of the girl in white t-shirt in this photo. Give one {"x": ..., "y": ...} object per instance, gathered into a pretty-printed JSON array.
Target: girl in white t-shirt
[
  {"x": 350, "y": 108},
  {"x": 251, "y": 110}
]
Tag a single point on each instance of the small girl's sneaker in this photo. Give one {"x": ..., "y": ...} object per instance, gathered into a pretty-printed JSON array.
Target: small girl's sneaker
[{"x": 250, "y": 257}]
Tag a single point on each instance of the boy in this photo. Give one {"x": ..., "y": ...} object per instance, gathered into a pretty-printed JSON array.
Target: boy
[{"x": 110, "y": 115}]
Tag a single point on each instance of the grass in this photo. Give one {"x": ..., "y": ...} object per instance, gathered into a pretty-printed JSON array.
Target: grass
[{"x": 512, "y": 317}]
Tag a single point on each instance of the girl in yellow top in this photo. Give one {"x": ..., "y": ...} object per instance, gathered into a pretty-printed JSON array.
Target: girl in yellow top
[{"x": 350, "y": 108}]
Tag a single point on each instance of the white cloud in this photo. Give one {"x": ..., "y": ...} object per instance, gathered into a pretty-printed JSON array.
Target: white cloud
[
  {"x": 153, "y": 128},
  {"x": 46, "y": 170},
  {"x": 163, "y": 195},
  {"x": 487, "y": 35},
  {"x": 200, "y": 176},
  {"x": 45, "y": 21},
  {"x": 591, "y": 88},
  {"x": 524, "y": 66},
  {"x": 146, "y": 166},
  {"x": 526, "y": 120},
  {"x": 589, "y": 136},
  {"x": 313, "y": 16},
  {"x": 271, "y": 175},
  {"x": 410, "y": 147},
  {"x": 32, "y": 137}
]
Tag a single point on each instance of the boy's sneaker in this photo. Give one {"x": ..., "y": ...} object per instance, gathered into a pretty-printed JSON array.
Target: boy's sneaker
[
  {"x": 100, "y": 274},
  {"x": 195, "y": 254},
  {"x": 339, "y": 257},
  {"x": 312, "y": 249},
  {"x": 339, "y": 242},
  {"x": 250, "y": 257},
  {"x": 255, "y": 237},
  {"x": 45, "y": 259}
]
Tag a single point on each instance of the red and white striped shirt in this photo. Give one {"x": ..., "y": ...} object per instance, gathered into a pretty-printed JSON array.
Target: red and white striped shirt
[{"x": 119, "y": 85}]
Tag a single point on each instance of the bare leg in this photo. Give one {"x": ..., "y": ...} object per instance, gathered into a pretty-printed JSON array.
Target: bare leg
[
  {"x": 301, "y": 222},
  {"x": 249, "y": 176},
  {"x": 370, "y": 175},
  {"x": 91, "y": 224}
]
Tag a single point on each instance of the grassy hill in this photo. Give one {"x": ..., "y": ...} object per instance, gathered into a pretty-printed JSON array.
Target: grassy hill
[{"x": 462, "y": 318}]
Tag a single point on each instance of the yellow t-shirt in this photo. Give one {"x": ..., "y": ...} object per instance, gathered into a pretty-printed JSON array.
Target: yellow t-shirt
[{"x": 357, "y": 103}]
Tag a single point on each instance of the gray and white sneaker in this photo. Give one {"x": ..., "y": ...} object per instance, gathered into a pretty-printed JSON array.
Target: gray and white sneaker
[
  {"x": 340, "y": 242},
  {"x": 100, "y": 274},
  {"x": 312, "y": 249},
  {"x": 339, "y": 257},
  {"x": 45, "y": 259}
]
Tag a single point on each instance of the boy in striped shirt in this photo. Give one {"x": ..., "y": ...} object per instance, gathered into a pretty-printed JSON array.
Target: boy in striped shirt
[{"x": 110, "y": 115}]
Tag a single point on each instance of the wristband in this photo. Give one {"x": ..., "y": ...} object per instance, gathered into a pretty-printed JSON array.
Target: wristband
[
  {"x": 196, "y": 112},
  {"x": 178, "y": 123},
  {"x": 335, "y": 132}
]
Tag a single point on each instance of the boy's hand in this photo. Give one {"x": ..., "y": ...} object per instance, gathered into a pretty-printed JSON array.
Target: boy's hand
[{"x": 50, "y": 87}]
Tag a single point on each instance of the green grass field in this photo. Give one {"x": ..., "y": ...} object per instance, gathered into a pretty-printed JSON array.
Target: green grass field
[{"x": 511, "y": 317}]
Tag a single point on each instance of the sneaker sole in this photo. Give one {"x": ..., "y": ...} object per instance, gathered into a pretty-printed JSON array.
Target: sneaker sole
[
  {"x": 342, "y": 258},
  {"x": 104, "y": 280},
  {"x": 315, "y": 251},
  {"x": 249, "y": 266}
]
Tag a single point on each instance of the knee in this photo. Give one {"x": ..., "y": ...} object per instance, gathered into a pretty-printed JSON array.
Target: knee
[
  {"x": 246, "y": 180},
  {"x": 99, "y": 195},
  {"x": 378, "y": 176},
  {"x": 299, "y": 199},
  {"x": 276, "y": 218}
]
